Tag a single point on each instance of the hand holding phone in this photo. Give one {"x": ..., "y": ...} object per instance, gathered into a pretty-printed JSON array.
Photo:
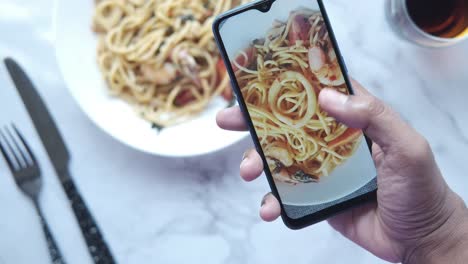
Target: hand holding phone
[
  {"x": 413, "y": 198},
  {"x": 417, "y": 218},
  {"x": 280, "y": 56}
]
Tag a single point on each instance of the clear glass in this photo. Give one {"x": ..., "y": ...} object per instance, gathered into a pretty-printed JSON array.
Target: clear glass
[{"x": 403, "y": 25}]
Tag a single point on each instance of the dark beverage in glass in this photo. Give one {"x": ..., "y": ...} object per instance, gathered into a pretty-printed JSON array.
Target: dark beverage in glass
[
  {"x": 441, "y": 18},
  {"x": 430, "y": 22}
]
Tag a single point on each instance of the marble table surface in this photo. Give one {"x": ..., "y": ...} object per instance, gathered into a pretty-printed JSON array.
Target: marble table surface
[{"x": 196, "y": 210}]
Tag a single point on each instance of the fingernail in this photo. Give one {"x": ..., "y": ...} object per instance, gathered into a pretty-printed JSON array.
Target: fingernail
[
  {"x": 264, "y": 200},
  {"x": 329, "y": 96},
  {"x": 244, "y": 158}
]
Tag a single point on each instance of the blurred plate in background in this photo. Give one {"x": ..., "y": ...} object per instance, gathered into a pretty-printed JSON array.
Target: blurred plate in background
[{"x": 76, "y": 56}]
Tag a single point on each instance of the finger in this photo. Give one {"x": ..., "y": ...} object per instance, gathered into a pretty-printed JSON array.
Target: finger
[
  {"x": 358, "y": 89},
  {"x": 379, "y": 122},
  {"x": 231, "y": 119},
  {"x": 270, "y": 209},
  {"x": 251, "y": 166}
]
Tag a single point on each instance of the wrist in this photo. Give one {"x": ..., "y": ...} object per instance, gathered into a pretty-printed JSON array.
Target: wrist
[{"x": 448, "y": 243}]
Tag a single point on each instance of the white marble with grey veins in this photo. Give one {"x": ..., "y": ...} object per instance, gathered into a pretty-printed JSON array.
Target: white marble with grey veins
[{"x": 197, "y": 210}]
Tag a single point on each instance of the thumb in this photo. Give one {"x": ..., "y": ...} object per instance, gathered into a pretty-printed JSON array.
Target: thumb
[{"x": 364, "y": 111}]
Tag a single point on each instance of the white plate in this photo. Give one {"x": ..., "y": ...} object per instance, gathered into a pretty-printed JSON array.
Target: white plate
[
  {"x": 347, "y": 178},
  {"x": 76, "y": 56}
]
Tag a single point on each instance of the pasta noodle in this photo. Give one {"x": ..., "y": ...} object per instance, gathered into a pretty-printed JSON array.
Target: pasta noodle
[
  {"x": 280, "y": 77},
  {"x": 160, "y": 56}
]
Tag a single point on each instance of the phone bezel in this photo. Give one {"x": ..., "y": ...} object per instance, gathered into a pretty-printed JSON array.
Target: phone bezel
[{"x": 329, "y": 211}]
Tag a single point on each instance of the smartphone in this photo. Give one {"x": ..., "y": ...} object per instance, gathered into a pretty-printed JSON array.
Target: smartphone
[{"x": 280, "y": 54}]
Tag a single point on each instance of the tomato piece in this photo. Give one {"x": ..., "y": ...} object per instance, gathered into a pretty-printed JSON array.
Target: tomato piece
[
  {"x": 349, "y": 135},
  {"x": 227, "y": 94},
  {"x": 310, "y": 77},
  {"x": 220, "y": 67},
  {"x": 221, "y": 71},
  {"x": 184, "y": 98},
  {"x": 300, "y": 28}
]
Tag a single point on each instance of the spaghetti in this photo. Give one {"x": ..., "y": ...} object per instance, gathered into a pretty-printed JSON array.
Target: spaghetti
[
  {"x": 160, "y": 56},
  {"x": 280, "y": 77}
]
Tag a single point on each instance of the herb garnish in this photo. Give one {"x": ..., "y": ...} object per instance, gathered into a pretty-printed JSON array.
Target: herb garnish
[
  {"x": 303, "y": 177},
  {"x": 187, "y": 17},
  {"x": 159, "y": 128}
]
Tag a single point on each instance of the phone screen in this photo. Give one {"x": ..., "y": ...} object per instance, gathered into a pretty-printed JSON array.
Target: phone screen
[{"x": 281, "y": 60}]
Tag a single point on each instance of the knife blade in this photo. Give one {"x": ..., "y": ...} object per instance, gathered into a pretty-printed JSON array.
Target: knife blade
[
  {"x": 60, "y": 158},
  {"x": 43, "y": 122}
]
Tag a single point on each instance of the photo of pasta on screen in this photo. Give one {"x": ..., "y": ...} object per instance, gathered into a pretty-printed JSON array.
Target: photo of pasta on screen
[{"x": 280, "y": 76}]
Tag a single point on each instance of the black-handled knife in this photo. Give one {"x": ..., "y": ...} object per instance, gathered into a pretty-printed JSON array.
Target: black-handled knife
[{"x": 60, "y": 158}]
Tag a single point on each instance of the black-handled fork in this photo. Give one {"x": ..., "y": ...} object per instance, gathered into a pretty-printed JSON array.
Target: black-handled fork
[{"x": 27, "y": 174}]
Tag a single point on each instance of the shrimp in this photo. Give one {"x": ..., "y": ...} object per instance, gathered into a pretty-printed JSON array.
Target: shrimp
[
  {"x": 323, "y": 64},
  {"x": 280, "y": 154},
  {"x": 279, "y": 172},
  {"x": 299, "y": 29},
  {"x": 189, "y": 66},
  {"x": 330, "y": 73},
  {"x": 163, "y": 76}
]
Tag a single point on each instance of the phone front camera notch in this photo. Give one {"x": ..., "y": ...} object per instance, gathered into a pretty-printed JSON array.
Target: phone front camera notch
[{"x": 265, "y": 6}]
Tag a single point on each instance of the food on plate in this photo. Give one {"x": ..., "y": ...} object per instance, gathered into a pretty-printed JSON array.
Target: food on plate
[
  {"x": 160, "y": 55},
  {"x": 280, "y": 76}
]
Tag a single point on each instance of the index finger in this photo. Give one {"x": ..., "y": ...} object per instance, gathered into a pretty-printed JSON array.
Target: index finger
[{"x": 231, "y": 119}]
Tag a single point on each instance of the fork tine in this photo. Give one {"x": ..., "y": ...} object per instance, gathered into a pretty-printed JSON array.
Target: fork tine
[
  {"x": 18, "y": 147},
  {"x": 26, "y": 146},
  {"x": 5, "y": 153}
]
